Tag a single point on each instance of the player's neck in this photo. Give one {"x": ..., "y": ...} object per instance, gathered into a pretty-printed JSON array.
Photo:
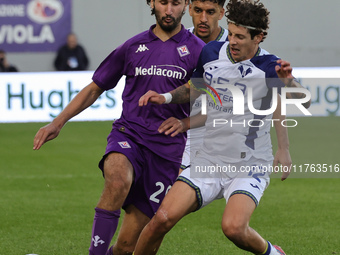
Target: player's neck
[
  {"x": 251, "y": 54},
  {"x": 212, "y": 37},
  {"x": 165, "y": 35},
  {"x": 255, "y": 50},
  {"x": 215, "y": 34}
]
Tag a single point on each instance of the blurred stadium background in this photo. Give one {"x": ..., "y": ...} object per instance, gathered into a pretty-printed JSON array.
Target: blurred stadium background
[{"x": 302, "y": 32}]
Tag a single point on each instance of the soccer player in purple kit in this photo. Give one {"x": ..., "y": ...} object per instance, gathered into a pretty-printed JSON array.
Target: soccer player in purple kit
[{"x": 140, "y": 164}]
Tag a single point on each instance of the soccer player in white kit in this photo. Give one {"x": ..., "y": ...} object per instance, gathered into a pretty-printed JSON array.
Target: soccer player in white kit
[
  {"x": 243, "y": 151},
  {"x": 205, "y": 17}
]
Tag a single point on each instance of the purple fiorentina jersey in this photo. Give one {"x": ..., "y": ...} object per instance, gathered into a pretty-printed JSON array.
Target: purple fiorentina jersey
[{"x": 151, "y": 64}]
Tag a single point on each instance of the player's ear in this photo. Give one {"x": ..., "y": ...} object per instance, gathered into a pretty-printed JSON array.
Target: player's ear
[
  {"x": 186, "y": 5},
  {"x": 258, "y": 38},
  {"x": 190, "y": 9},
  {"x": 152, "y": 4},
  {"x": 222, "y": 11}
]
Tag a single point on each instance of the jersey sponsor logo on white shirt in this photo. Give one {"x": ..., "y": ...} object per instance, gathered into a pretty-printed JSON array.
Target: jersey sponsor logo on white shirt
[{"x": 141, "y": 48}]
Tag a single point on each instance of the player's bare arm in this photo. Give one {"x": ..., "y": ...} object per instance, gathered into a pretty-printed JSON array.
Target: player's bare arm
[
  {"x": 180, "y": 95},
  {"x": 86, "y": 97},
  {"x": 286, "y": 70},
  {"x": 282, "y": 155},
  {"x": 295, "y": 84}
]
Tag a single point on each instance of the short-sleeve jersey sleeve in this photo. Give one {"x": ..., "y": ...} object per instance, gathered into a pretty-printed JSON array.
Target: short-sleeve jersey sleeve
[{"x": 111, "y": 69}]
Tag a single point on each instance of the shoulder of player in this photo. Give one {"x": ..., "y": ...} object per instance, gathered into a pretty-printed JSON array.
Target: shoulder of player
[
  {"x": 211, "y": 51},
  {"x": 265, "y": 55},
  {"x": 142, "y": 37},
  {"x": 189, "y": 36},
  {"x": 265, "y": 61},
  {"x": 213, "y": 46},
  {"x": 146, "y": 37},
  {"x": 191, "y": 29},
  {"x": 192, "y": 42}
]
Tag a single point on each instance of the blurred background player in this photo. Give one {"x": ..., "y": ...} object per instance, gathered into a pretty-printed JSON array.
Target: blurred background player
[
  {"x": 71, "y": 56},
  {"x": 140, "y": 164},
  {"x": 205, "y": 17},
  {"x": 5, "y": 66},
  {"x": 236, "y": 146}
]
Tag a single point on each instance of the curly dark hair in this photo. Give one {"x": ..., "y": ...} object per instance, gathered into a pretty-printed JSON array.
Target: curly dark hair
[
  {"x": 249, "y": 13},
  {"x": 219, "y": 2},
  {"x": 148, "y": 1}
]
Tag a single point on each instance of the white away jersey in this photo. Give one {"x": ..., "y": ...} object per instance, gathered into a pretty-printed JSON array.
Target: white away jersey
[{"x": 230, "y": 137}]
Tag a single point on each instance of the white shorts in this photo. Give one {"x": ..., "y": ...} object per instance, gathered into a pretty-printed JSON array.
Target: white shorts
[
  {"x": 247, "y": 182},
  {"x": 194, "y": 143},
  {"x": 186, "y": 156}
]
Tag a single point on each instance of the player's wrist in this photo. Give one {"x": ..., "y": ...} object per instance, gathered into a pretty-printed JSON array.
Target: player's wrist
[
  {"x": 168, "y": 97},
  {"x": 284, "y": 147},
  {"x": 186, "y": 124}
]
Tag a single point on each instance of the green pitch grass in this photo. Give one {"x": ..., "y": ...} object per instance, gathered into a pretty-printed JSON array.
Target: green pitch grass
[{"x": 47, "y": 197}]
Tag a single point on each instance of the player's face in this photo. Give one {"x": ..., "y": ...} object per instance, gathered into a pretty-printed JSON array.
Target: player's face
[
  {"x": 242, "y": 47},
  {"x": 205, "y": 16},
  {"x": 169, "y": 13}
]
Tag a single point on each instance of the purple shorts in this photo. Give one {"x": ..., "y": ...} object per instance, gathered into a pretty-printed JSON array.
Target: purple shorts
[{"x": 154, "y": 175}]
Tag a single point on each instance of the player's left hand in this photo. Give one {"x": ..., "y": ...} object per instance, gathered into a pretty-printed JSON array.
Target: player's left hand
[
  {"x": 172, "y": 126},
  {"x": 282, "y": 157},
  {"x": 151, "y": 97},
  {"x": 284, "y": 71}
]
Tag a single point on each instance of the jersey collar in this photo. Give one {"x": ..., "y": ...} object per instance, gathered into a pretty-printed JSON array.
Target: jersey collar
[{"x": 220, "y": 35}]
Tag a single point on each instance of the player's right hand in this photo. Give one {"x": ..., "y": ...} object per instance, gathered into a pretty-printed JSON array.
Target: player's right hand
[
  {"x": 172, "y": 126},
  {"x": 44, "y": 135},
  {"x": 282, "y": 156},
  {"x": 152, "y": 97}
]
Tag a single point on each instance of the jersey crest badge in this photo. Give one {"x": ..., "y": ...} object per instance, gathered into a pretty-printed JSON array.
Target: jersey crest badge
[
  {"x": 244, "y": 72},
  {"x": 124, "y": 145},
  {"x": 183, "y": 51}
]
